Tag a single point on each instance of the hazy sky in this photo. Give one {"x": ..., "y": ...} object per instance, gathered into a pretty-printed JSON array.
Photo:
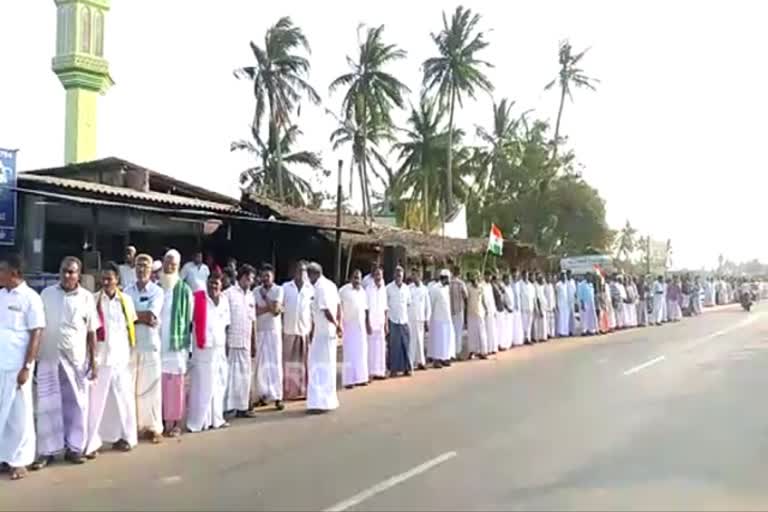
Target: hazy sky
[{"x": 673, "y": 139}]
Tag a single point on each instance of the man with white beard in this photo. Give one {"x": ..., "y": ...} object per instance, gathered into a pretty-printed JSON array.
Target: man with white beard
[
  {"x": 419, "y": 312},
  {"x": 146, "y": 365},
  {"x": 442, "y": 344},
  {"x": 326, "y": 313},
  {"x": 175, "y": 322},
  {"x": 269, "y": 339}
]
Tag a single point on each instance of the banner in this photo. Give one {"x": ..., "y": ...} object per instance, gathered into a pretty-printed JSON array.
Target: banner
[{"x": 7, "y": 197}]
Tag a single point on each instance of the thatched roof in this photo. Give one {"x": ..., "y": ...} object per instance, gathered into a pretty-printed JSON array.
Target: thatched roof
[{"x": 417, "y": 243}]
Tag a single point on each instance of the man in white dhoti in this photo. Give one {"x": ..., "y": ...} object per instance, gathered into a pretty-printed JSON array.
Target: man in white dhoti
[
  {"x": 512, "y": 290},
  {"x": 112, "y": 399},
  {"x": 574, "y": 302},
  {"x": 22, "y": 320},
  {"x": 368, "y": 278},
  {"x": 128, "y": 268},
  {"x": 269, "y": 340},
  {"x": 297, "y": 325},
  {"x": 377, "y": 327},
  {"x": 540, "y": 323},
  {"x": 241, "y": 342},
  {"x": 441, "y": 334},
  {"x": 477, "y": 335},
  {"x": 563, "y": 306},
  {"x": 503, "y": 318},
  {"x": 549, "y": 292},
  {"x": 527, "y": 305},
  {"x": 326, "y": 313},
  {"x": 586, "y": 296},
  {"x": 458, "y": 291},
  {"x": 195, "y": 273},
  {"x": 659, "y": 300},
  {"x": 491, "y": 312},
  {"x": 66, "y": 365},
  {"x": 146, "y": 363},
  {"x": 208, "y": 373},
  {"x": 354, "y": 305},
  {"x": 419, "y": 313}
]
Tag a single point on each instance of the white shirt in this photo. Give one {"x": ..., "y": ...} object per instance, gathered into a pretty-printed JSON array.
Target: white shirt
[
  {"x": 297, "y": 314},
  {"x": 115, "y": 350},
  {"x": 69, "y": 317},
  {"x": 368, "y": 280},
  {"x": 420, "y": 308},
  {"x": 242, "y": 315},
  {"x": 476, "y": 306},
  {"x": 354, "y": 304},
  {"x": 377, "y": 305},
  {"x": 490, "y": 301},
  {"x": 267, "y": 321},
  {"x": 572, "y": 293},
  {"x": 527, "y": 296},
  {"x": 21, "y": 311},
  {"x": 326, "y": 298},
  {"x": 127, "y": 275},
  {"x": 398, "y": 300},
  {"x": 217, "y": 320},
  {"x": 149, "y": 299},
  {"x": 195, "y": 276},
  {"x": 440, "y": 302},
  {"x": 174, "y": 362},
  {"x": 549, "y": 292},
  {"x": 513, "y": 301}
]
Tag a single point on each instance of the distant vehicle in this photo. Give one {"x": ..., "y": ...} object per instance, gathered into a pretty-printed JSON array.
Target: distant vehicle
[{"x": 579, "y": 265}]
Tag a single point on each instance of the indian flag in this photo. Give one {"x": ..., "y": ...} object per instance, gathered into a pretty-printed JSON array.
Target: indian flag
[{"x": 495, "y": 241}]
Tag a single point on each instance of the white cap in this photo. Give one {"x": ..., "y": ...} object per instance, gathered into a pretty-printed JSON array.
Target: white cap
[
  {"x": 445, "y": 273},
  {"x": 157, "y": 265}
]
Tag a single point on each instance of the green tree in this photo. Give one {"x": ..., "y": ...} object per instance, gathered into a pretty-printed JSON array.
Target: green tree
[
  {"x": 371, "y": 93},
  {"x": 570, "y": 76},
  {"x": 456, "y": 71},
  {"x": 279, "y": 81},
  {"x": 262, "y": 179}
]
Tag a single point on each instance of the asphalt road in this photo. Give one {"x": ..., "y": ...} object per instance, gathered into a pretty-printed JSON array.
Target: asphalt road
[{"x": 672, "y": 417}]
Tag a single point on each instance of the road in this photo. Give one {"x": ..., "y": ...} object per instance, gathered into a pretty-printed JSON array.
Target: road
[{"x": 669, "y": 417}]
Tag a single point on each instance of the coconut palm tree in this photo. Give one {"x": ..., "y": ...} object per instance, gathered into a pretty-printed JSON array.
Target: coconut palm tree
[
  {"x": 263, "y": 178},
  {"x": 279, "y": 82},
  {"x": 371, "y": 92},
  {"x": 570, "y": 76},
  {"x": 456, "y": 72}
]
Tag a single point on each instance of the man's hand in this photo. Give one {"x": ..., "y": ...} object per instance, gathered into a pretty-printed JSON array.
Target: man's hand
[
  {"x": 94, "y": 373},
  {"x": 22, "y": 377},
  {"x": 339, "y": 331},
  {"x": 368, "y": 328}
]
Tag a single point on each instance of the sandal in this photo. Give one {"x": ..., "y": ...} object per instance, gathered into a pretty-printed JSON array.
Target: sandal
[
  {"x": 41, "y": 463},
  {"x": 18, "y": 473}
]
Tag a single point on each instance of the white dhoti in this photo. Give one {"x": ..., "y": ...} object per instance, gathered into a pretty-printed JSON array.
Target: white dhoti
[
  {"x": 527, "y": 324},
  {"x": 416, "y": 347},
  {"x": 147, "y": 371},
  {"x": 518, "y": 337},
  {"x": 658, "y": 309},
  {"x": 321, "y": 364},
  {"x": 269, "y": 362},
  {"x": 491, "y": 333},
  {"x": 441, "y": 342},
  {"x": 377, "y": 353},
  {"x": 477, "y": 337},
  {"x": 551, "y": 324},
  {"x": 17, "y": 421},
  {"x": 355, "y": 354},
  {"x": 208, "y": 383},
  {"x": 62, "y": 408},
  {"x": 458, "y": 332},
  {"x": 589, "y": 319},
  {"x": 675, "y": 313},
  {"x": 239, "y": 376},
  {"x": 540, "y": 327},
  {"x": 628, "y": 314},
  {"x": 563, "y": 327},
  {"x": 504, "y": 330},
  {"x": 111, "y": 409}
]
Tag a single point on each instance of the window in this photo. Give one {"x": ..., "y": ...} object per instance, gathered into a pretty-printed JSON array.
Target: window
[
  {"x": 98, "y": 33},
  {"x": 85, "y": 30}
]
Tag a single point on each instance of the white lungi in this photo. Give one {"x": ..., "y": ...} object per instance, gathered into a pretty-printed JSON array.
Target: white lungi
[
  {"x": 518, "y": 337},
  {"x": 112, "y": 409},
  {"x": 491, "y": 332},
  {"x": 377, "y": 353},
  {"x": 269, "y": 361},
  {"x": 458, "y": 332},
  {"x": 321, "y": 364},
  {"x": 416, "y": 347},
  {"x": 658, "y": 309},
  {"x": 239, "y": 376},
  {"x": 208, "y": 384},
  {"x": 441, "y": 342},
  {"x": 527, "y": 324},
  {"x": 61, "y": 408},
  {"x": 146, "y": 372},
  {"x": 17, "y": 421},
  {"x": 502, "y": 330},
  {"x": 477, "y": 337},
  {"x": 355, "y": 354}
]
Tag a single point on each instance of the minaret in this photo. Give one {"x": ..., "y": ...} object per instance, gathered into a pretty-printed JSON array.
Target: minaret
[{"x": 84, "y": 72}]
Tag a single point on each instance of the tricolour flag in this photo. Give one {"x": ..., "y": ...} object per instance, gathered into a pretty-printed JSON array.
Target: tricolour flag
[{"x": 495, "y": 241}]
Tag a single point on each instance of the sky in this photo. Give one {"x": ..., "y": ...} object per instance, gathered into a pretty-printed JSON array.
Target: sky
[{"x": 672, "y": 138}]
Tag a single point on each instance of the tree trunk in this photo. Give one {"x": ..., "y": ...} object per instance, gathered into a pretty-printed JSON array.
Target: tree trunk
[
  {"x": 279, "y": 153},
  {"x": 557, "y": 123},
  {"x": 449, "y": 170},
  {"x": 363, "y": 193},
  {"x": 364, "y": 160},
  {"x": 351, "y": 172},
  {"x": 426, "y": 200}
]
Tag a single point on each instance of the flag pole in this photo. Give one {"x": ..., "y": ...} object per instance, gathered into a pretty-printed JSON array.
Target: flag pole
[{"x": 485, "y": 260}]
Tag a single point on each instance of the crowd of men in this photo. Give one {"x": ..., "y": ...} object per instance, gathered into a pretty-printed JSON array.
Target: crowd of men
[{"x": 160, "y": 350}]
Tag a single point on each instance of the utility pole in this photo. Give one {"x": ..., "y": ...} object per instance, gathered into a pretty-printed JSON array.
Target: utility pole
[{"x": 339, "y": 200}]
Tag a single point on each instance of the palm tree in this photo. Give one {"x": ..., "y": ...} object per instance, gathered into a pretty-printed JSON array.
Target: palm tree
[
  {"x": 263, "y": 178},
  {"x": 570, "y": 76},
  {"x": 279, "y": 81},
  {"x": 371, "y": 93},
  {"x": 456, "y": 71}
]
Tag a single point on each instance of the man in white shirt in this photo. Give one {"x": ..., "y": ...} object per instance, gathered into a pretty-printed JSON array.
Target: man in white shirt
[
  {"x": 564, "y": 309},
  {"x": 354, "y": 305},
  {"x": 419, "y": 312},
  {"x": 297, "y": 324},
  {"x": 377, "y": 326},
  {"x": 477, "y": 336},
  {"x": 269, "y": 340},
  {"x": 241, "y": 341},
  {"x": 326, "y": 316},
  {"x": 573, "y": 302},
  {"x": 208, "y": 376},
  {"x": 368, "y": 278},
  {"x": 195, "y": 273},
  {"x": 146, "y": 366},
  {"x": 491, "y": 326},
  {"x": 66, "y": 364},
  {"x": 527, "y": 305},
  {"x": 511, "y": 289},
  {"x": 398, "y": 302},
  {"x": 458, "y": 291},
  {"x": 22, "y": 320},
  {"x": 442, "y": 342},
  {"x": 114, "y": 389},
  {"x": 128, "y": 269},
  {"x": 540, "y": 322}
]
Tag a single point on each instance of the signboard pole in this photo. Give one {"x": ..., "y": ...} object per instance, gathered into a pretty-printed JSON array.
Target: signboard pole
[{"x": 8, "y": 196}]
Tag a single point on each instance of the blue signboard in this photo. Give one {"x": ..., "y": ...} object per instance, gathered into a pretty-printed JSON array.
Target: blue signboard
[{"x": 7, "y": 196}]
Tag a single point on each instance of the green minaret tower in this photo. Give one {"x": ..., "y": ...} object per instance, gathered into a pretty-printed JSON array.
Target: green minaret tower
[{"x": 84, "y": 72}]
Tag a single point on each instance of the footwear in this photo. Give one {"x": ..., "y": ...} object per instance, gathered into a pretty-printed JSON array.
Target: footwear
[
  {"x": 18, "y": 473},
  {"x": 483, "y": 356},
  {"x": 407, "y": 374},
  {"x": 75, "y": 457},
  {"x": 92, "y": 455},
  {"x": 41, "y": 462},
  {"x": 349, "y": 387},
  {"x": 155, "y": 438},
  {"x": 122, "y": 446},
  {"x": 421, "y": 367},
  {"x": 224, "y": 425},
  {"x": 447, "y": 364},
  {"x": 174, "y": 432},
  {"x": 279, "y": 405},
  {"x": 438, "y": 365}
]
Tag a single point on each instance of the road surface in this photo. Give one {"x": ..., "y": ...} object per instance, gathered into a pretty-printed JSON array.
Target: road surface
[{"x": 671, "y": 417}]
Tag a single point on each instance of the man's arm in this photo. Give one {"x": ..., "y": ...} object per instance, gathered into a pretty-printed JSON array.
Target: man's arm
[
  {"x": 90, "y": 343},
  {"x": 31, "y": 355}
]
